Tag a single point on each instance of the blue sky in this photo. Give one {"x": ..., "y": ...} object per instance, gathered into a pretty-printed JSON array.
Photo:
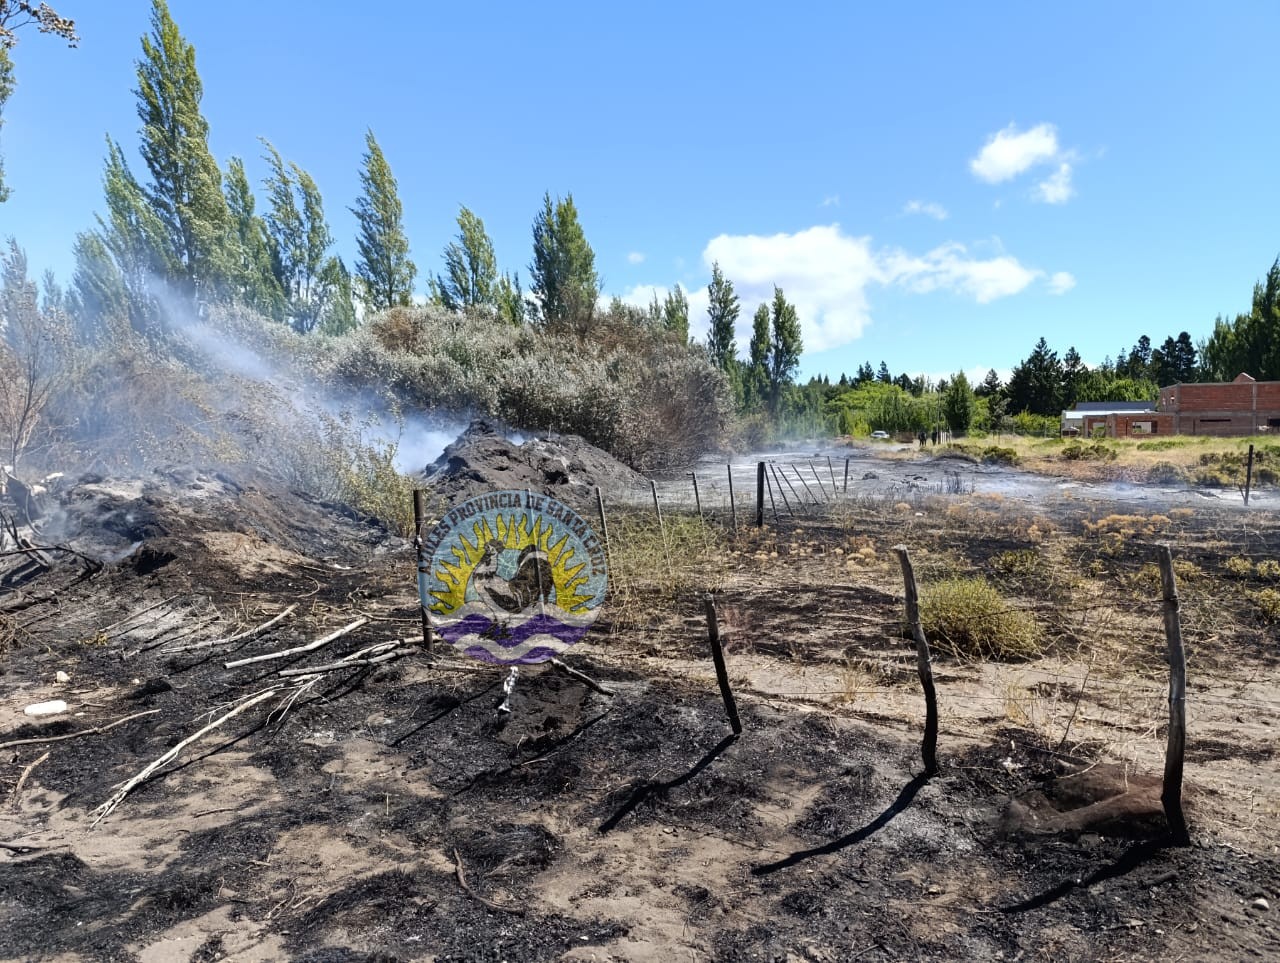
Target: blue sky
[{"x": 936, "y": 184}]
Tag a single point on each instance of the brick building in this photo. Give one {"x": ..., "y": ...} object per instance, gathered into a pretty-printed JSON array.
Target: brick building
[{"x": 1240, "y": 407}]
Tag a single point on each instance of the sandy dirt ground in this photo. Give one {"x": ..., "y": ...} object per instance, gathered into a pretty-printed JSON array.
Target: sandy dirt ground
[{"x": 390, "y": 812}]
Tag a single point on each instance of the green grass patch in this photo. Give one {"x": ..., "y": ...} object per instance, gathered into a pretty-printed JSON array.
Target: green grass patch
[{"x": 969, "y": 617}]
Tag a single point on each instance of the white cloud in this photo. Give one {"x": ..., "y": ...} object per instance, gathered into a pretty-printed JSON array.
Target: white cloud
[
  {"x": 823, "y": 272},
  {"x": 1056, "y": 188},
  {"x": 929, "y": 208},
  {"x": 1061, "y": 282},
  {"x": 1008, "y": 153},
  {"x": 635, "y": 257},
  {"x": 828, "y": 276},
  {"x": 950, "y": 267},
  {"x": 831, "y": 200}
]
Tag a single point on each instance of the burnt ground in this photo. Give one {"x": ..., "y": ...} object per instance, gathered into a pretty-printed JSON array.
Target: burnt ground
[{"x": 630, "y": 827}]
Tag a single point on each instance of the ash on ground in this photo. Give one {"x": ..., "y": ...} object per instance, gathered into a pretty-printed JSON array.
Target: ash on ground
[{"x": 566, "y": 467}]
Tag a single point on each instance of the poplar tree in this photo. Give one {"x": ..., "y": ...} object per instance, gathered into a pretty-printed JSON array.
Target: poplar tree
[
  {"x": 675, "y": 313},
  {"x": 722, "y": 311},
  {"x": 756, "y": 387},
  {"x": 471, "y": 278},
  {"x": 186, "y": 185},
  {"x": 785, "y": 346},
  {"x": 316, "y": 285},
  {"x": 135, "y": 235},
  {"x": 384, "y": 272},
  {"x": 563, "y": 274},
  {"x": 251, "y": 279}
]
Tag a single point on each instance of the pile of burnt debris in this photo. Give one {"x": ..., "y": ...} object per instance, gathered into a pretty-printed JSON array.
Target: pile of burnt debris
[{"x": 485, "y": 458}]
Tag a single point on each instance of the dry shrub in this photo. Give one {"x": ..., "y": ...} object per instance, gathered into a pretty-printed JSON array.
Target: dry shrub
[
  {"x": 1269, "y": 569},
  {"x": 1022, "y": 563},
  {"x": 969, "y": 617},
  {"x": 1181, "y": 514},
  {"x": 1239, "y": 566},
  {"x": 1268, "y": 603},
  {"x": 1128, "y": 525}
]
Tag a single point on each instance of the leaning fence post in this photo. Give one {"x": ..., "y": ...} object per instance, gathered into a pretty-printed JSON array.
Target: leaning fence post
[
  {"x": 1171, "y": 795},
  {"x": 760, "y": 495},
  {"x": 662, "y": 528},
  {"x": 717, "y": 656},
  {"x": 780, "y": 492},
  {"x": 733, "y": 505},
  {"x": 697, "y": 499},
  {"x": 1248, "y": 476},
  {"x": 604, "y": 529},
  {"x": 419, "y": 513},
  {"x": 929, "y": 748},
  {"x": 832, "y": 472}
]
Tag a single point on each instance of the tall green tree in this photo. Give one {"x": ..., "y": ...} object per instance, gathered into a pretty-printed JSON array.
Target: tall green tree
[
  {"x": 97, "y": 296},
  {"x": 723, "y": 308},
  {"x": 384, "y": 272},
  {"x": 135, "y": 235},
  {"x": 186, "y": 184},
  {"x": 509, "y": 299},
  {"x": 958, "y": 405},
  {"x": 785, "y": 347},
  {"x": 250, "y": 278},
  {"x": 563, "y": 276},
  {"x": 1250, "y": 343},
  {"x": 756, "y": 379},
  {"x": 470, "y": 281},
  {"x": 315, "y": 284},
  {"x": 675, "y": 313},
  {"x": 1036, "y": 383}
]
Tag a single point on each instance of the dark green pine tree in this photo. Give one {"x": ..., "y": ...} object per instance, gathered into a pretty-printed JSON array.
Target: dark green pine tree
[
  {"x": 1036, "y": 384},
  {"x": 186, "y": 185},
  {"x": 384, "y": 272}
]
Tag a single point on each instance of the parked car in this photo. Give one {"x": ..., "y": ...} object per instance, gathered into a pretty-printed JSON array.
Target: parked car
[{"x": 882, "y": 435}]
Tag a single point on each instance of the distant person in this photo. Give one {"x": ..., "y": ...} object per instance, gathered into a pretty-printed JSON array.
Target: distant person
[{"x": 922, "y": 437}]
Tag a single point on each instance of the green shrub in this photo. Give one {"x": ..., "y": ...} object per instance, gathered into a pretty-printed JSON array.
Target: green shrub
[
  {"x": 995, "y": 455},
  {"x": 1164, "y": 444},
  {"x": 969, "y": 617},
  {"x": 1268, "y": 603},
  {"x": 1166, "y": 472}
]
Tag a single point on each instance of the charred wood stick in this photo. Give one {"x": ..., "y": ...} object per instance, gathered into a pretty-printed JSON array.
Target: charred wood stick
[
  {"x": 105, "y": 810},
  {"x": 239, "y": 637},
  {"x": 345, "y": 664},
  {"x": 22, "y": 780},
  {"x": 929, "y": 747},
  {"x": 717, "y": 658},
  {"x": 582, "y": 677},
  {"x": 297, "y": 650},
  {"x": 466, "y": 888},
  {"x": 133, "y": 615},
  {"x": 38, "y": 740}
]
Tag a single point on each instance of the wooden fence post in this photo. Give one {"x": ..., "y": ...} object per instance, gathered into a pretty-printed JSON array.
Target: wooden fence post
[
  {"x": 819, "y": 481},
  {"x": 419, "y": 514},
  {"x": 846, "y": 476},
  {"x": 832, "y": 472},
  {"x": 1171, "y": 795},
  {"x": 733, "y": 505},
  {"x": 929, "y": 748},
  {"x": 781, "y": 492},
  {"x": 1248, "y": 476},
  {"x": 760, "y": 495},
  {"x": 697, "y": 499},
  {"x": 717, "y": 656}
]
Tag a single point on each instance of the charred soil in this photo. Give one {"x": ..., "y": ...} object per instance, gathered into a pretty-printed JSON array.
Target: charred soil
[{"x": 389, "y": 811}]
